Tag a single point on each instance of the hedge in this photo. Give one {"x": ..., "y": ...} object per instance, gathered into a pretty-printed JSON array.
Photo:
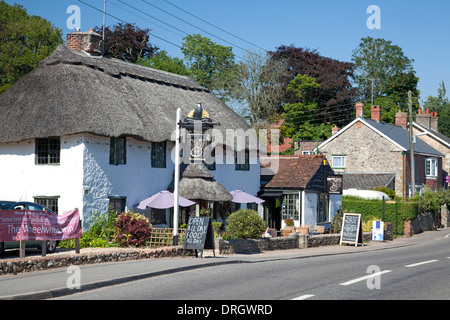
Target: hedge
[{"x": 394, "y": 212}]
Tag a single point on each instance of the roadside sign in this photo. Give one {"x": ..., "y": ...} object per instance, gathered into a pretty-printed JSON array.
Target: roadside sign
[
  {"x": 199, "y": 235},
  {"x": 351, "y": 229},
  {"x": 378, "y": 230}
]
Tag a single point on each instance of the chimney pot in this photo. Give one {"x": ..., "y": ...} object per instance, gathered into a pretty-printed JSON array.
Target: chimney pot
[
  {"x": 359, "y": 110},
  {"x": 376, "y": 113}
]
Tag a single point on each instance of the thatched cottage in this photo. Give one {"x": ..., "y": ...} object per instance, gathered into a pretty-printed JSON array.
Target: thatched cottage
[{"x": 88, "y": 132}]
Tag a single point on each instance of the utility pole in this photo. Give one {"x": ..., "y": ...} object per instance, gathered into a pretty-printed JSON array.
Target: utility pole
[{"x": 411, "y": 145}]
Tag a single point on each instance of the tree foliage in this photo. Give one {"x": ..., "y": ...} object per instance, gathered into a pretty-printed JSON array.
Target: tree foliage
[
  {"x": 212, "y": 65},
  {"x": 259, "y": 87},
  {"x": 441, "y": 105},
  {"x": 24, "y": 41},
  {"x": 127, "y": 42},
  {"x": 382, "y": 68},
  {"x": 162, "y": 61},
  {"x": 336, "y": 95}
]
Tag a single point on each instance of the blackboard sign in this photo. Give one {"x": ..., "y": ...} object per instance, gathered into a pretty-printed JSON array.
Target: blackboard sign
[
  {"x": 199, "y": 235},
  {"x": 351, "y": 229}
]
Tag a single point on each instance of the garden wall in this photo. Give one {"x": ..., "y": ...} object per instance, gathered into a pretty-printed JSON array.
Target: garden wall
[{"x": 293, "y": 241}]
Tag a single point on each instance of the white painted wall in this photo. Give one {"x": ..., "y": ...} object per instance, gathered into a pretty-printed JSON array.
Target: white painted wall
[
  {"x": 23, "y": 179},
  {"x": 84, "y": 165}
]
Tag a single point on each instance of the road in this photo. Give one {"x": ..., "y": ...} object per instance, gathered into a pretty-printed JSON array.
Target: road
[{"x": 420, "y": 271}]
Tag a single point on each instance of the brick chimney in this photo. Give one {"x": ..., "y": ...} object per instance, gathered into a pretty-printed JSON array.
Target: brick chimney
[
  {"x": 88, "y": 42},
  {"x": 427, "y": 119},
  {"x": 376, "y": 113},
  {"x": 401, "y": 119},
  {"x": 359, "y": 110}
]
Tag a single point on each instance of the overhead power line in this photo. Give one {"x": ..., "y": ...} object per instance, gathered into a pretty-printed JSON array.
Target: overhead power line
[{"x": 203, "y": 20}]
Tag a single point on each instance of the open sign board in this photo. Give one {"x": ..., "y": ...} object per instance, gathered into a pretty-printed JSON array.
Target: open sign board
[{"x": 199, "y": 235}]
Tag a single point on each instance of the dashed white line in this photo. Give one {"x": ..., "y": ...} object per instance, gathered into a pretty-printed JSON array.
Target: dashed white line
[
  {"x": 372, "y": 275},
  {"x": 304, "y": 297},
  {"x": 420, "y": 263}
]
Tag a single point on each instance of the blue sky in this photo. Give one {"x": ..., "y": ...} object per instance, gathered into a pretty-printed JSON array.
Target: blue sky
[{"x": 334, "y": 28}]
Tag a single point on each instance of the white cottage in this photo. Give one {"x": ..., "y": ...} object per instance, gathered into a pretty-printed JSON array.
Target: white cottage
[
  {"x": 88, "y": 132},
  {"x": 303, "y": 188}
]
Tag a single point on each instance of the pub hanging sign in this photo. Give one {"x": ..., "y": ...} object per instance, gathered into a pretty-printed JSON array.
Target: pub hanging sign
[{"x": 334, "y": 184}]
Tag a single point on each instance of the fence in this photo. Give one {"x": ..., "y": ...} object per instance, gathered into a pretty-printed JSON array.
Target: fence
[{"x": 163, "y": 237}]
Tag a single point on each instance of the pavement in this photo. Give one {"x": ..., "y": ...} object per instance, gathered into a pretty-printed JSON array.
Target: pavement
[{"x": 65, "y": 281}]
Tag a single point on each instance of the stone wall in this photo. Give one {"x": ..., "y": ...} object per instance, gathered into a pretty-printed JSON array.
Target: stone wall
[
  {"x": 423, "y": 222},
  {"x": 36, "y": 263},
  {"x": 293, "y": 241}
]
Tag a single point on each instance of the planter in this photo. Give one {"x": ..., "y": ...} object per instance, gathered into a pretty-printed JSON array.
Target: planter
[{"x": 287, "y": 231}]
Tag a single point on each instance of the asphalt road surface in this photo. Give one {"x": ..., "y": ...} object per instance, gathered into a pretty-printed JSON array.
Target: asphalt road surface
[{"x": 414, "y": 272}]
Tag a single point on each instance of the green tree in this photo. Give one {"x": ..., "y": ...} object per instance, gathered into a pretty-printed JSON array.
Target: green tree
[
  {"x": 24, "y": 41},
  {"x": 441, "y": 105},
  {"x": 162, "y": 61},
  {"x": 212, "y": 65},
  {"x": 382, "y": 70},
  {"x": 299, "y": 118}
]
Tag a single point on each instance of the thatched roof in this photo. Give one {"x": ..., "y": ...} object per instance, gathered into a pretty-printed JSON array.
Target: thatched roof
[
  {"x": 198, "y": 183},
  {"x": 70, "y": 92}
]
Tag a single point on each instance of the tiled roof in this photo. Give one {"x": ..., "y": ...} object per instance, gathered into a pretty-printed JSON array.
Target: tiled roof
[
  {"x": 295, "y": 172},
  {"x": 366, "y": 181}
]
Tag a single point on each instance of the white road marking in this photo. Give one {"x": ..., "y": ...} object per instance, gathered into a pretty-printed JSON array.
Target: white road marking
[
  {"x": 365, "y": 277},
  {"x": 420, "y": 263},
  {"x": 303, "y": 297},
  {"x": 447, "y": 236}
]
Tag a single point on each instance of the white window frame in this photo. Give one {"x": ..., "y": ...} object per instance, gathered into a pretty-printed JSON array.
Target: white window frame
[
  {"x": 431, "y": 167},
  {"x": 340, "y": 165}
]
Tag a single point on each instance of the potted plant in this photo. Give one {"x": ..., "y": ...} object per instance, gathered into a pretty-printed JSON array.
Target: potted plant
[{"x": 289, "y": 228}]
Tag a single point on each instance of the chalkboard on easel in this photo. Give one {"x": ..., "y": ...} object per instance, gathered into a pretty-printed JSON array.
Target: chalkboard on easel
[
  {"x": 351, "y": 229},
  {"x": 199, "y": 235}
]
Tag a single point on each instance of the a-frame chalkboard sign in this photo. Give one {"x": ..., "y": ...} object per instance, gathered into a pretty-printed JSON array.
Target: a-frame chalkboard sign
[
  {"x": 199, "y": 235},
  {"x": 351, "y": 229}
]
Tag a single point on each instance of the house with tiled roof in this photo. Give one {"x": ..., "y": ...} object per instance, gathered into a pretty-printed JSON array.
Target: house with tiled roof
[
  {"x": 426, "y": 128},
  {"x": 373, "y": 153},
  {"x": 300, "y": 189}
]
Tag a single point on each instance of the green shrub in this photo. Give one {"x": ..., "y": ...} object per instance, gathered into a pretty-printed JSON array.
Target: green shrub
[
  {"x": 244, "y": 224},
  {"x": 396, "y": 213},
  {"x": 99, "y": 235},
  {"x": 132, "y": 229}
]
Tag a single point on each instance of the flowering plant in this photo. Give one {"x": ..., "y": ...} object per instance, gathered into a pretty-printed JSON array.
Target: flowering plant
[{"x": 289, "y": 222}]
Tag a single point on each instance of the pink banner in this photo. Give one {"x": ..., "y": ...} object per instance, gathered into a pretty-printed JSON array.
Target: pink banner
[{"x": 18, "y": 225}]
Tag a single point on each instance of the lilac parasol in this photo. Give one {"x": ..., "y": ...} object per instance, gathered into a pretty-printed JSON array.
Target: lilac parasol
[
  {"x": 240, "y": 196},
  {"x": 163, "y": 200}
]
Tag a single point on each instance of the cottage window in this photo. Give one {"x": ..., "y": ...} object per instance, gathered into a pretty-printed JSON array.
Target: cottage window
[
  {"x": 118, "y": 151},
  {"x": 242, "y": 160},
  {"x": 159, "y": 154},
  {"x": 290, "y": 208},
  {"x": 48, "y": 151},
  {"x": 48, "y": 202},
  {"x": 431, "y": 167},
  {"x": 322, "y": 208},
  {"x": 338, "y": 162},
  {"x": 118, "y": 204}
]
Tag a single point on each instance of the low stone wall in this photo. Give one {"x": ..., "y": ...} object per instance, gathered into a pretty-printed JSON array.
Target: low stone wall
[
  {"x": 36, "y": 263},
  {"x": 293, "y": 241},
  {"x": 423, "y": 222}
]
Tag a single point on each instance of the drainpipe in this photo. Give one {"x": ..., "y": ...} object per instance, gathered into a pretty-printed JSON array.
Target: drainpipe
[{"x": 403, "y": 177}]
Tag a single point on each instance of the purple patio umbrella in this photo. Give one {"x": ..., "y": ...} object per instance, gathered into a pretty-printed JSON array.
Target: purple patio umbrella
[
  {"x": 163, "y": 200},
  {"x": 240, "y": 196}
]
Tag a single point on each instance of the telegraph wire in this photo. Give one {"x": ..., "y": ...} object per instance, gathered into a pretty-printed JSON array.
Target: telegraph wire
[
  {"x": 112, "y": 16},
  {"x": 192, "y": 25},
  {"x": 233, "y": 35}
]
